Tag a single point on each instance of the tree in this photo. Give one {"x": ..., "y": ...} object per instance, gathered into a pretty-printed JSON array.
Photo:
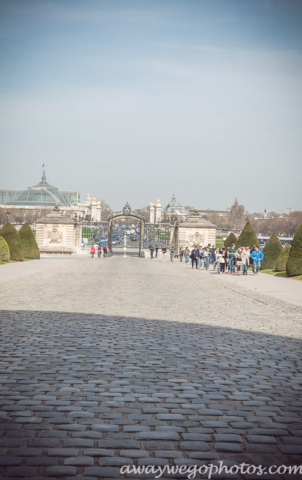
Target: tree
[
  {"x": 106, "y": 210},
  {"x": 271, "y": 252},
  {"x": 294, "y": 263},
  {"x": 10, "y": 234},
  {"x": 282, "y": 259},
  {"x": 144, "y": 212},
  {"x": 230, "y": 239},
  {"x": 214, "y": 217},
  {"x": 28, "y": 242},
  {"x": 4, "y": 250},
  {"x": 248, "y": 236}
]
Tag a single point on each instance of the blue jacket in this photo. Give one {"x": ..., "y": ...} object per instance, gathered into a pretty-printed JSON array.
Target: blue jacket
[{"x": 257, "y": 255}]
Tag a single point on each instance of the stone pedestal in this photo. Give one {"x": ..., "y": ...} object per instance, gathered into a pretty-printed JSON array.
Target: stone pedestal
[
  {"x": 195, "y": 230},
  {"x": 57, "y": 233}
]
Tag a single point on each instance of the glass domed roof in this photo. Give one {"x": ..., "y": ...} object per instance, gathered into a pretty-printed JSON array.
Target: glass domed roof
[{"x": 40, "y": 194}]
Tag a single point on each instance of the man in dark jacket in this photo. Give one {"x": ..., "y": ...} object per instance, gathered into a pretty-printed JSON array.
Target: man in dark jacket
[
  {"x": 151, "y": 248},
  {"x": 195, "y": 256}
]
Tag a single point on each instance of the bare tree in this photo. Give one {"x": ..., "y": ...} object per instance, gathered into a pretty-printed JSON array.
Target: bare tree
[{"x": 106, "y": 210}]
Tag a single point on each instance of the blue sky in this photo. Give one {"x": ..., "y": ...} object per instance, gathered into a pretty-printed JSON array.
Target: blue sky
[{"x": 134, "y": 100}]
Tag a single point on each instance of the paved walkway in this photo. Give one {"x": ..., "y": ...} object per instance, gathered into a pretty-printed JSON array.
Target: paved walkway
[{"x": 120, "y": 361}]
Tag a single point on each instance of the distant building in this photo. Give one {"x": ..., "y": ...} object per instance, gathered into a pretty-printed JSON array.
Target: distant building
[
  {"x": 44, "y": 196},
  {"x": 41, "y": 194},
  {"x": 175, "y": 208}
]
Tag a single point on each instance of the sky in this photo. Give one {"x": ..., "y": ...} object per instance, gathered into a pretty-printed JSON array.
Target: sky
[{"x": 134, "y": 100}]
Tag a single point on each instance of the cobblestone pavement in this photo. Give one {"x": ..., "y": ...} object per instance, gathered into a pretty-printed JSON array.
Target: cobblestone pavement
[{"x": 121, "y": 361}]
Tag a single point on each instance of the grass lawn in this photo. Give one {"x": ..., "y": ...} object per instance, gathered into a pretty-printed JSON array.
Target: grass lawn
[
  {"x": 15, "y": 261},
  {"x": 271, "y": 271}
]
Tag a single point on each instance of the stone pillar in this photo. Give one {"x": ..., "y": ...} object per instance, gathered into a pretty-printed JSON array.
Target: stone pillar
[
  {"x": 158, "y": 211},
  {"x": 151, "y": 213},
  {"x": 93, "y": 210},
  {"x": 98, "y": 212}
]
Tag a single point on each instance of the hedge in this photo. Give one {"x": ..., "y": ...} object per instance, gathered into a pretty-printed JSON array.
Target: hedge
[
  {"x": 271, "y": 252},
  {"x": 229, "y": 240},
  {"x": 294, "y": 263},
  {"x": 282, "y": 259},
  {"x": 248, "y": 237},
  {"x": 10, "y": 234},
  {"x": 28, "y": 242},
  {"x": 4, "y": 250}
]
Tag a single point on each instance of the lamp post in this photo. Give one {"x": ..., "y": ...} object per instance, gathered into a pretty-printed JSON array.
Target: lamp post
[
  {"x": 8, "y": 212},
  {"x": 125, "y": 245}
]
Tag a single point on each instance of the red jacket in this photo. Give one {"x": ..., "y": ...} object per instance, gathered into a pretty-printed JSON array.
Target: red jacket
[{"x": 92, "y": 249}]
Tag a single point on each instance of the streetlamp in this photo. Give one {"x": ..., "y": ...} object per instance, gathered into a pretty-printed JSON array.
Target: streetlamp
[
  {"x": 125, "y": 245},
  {"x": 8, "y": 212}
]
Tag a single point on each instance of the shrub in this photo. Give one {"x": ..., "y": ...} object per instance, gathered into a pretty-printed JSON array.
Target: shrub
[
  {"x": 271, "y": 252},
  {"x": 294, "y": 262},
  {"x": 282, "y": 259},
  {"x": 28, "y": 242},
  {"x": 4, "y": 250},
  {"x": 230, "y": 239},
  {"x": 10, "y": 234},
  {"x": 248, "y": 237}
]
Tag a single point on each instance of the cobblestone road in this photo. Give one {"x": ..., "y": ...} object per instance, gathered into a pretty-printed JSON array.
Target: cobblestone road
[{"x": 111, "y": 362}]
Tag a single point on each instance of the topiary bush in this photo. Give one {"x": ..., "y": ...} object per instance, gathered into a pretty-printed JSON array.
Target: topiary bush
[
  {"x": 282, "y": 259},
  {"x": 271, "y": 252},
  {"x": 248, "y": 237},
  {"x": 10, "y": 235},
  {"x": 229, "y": 240},
  {"x": 28, "y": 242},
  {"x": 4, "y": 251},
  {"x": 294, "y": 262}
]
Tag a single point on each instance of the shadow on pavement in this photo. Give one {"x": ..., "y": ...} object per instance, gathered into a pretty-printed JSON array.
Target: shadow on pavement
[{"x": 83, "y": 394}]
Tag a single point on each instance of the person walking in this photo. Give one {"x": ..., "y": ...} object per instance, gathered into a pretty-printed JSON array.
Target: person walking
[
  {"x": 99, "y": 251},
  {"x": 206, "y": 257},
  {"x": 218, "y": 254},
  {"x": 257, "y": 257},
  {"x": 92, "y": 251},
  {"x": 105, "y": 250},
  {"x": 245, "y": 259},
  {"x": 151, "y": 248},
  {"x": 213, "y": 257},
  {"x": 200, "y": 256},
  {"x": 223, "y": 260},
  {"x": 231, "y": 253},
  {"x": 195, "y": 256},
  {"x": 181, "y": 254},
  {"x": 187, "y": 254},
  {"x": 164, "y": 252},
  {"x": 238, "y": 260},
  {"x": 156, "y": 251},
  {"x": 172, "y": 253}
]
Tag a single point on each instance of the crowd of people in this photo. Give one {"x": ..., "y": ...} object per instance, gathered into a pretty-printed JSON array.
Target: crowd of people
[
  {"x": 102, "y": 249},
  {"x": 230, "y": 260}
]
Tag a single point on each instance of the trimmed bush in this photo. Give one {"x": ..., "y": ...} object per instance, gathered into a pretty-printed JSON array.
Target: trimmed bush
[
  {"x": 229, "y": 240},
  {"x": 4, "y": 251},
  {"x": 282, "y": 259},
  {"x": 248, "y": 237},
  {"x": 271, "y": 252},
  {"x": 10, "y": 235},
  {"x": 28, "y": 242},
  {"x": 294, "y": 262}
]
